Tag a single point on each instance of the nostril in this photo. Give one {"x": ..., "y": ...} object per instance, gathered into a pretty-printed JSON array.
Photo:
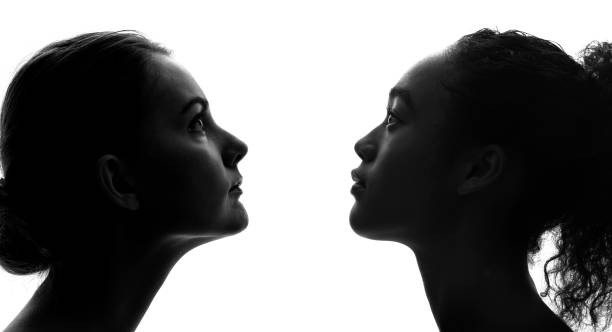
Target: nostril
[
  {"x": 232, "y": 158},
  {"x": 367, "y": 152},
  {"x": 238, "y": 158},
  {"x": 234, "y": 152}
]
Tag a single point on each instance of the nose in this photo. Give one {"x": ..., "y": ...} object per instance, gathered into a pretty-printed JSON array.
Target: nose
[
  {"x": 366, "y": 148},
  {"x": 233, "y": 151}
]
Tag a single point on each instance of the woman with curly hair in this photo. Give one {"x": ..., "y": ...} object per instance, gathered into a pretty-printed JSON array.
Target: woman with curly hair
[
  {"x": 484, "y": 147},
  {"x": 113, "y": 169}
]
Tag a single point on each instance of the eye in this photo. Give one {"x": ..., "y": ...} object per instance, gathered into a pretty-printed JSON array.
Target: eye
[
  {"x": 197, "y": 124},
  {"x": 391, "y": 119}
]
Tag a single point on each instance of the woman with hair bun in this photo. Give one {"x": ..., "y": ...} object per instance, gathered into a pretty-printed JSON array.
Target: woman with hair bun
[
  {"x": 483, "y": 148},
  {"x": 113, "y": 169}
]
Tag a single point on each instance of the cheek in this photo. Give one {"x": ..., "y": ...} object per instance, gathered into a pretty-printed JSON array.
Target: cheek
[
  {"x": 406, "y": 188},
  {"x": 185, "y": 186},
  {"x": 399, "y": 183},
  {"x": 200, "y": 184}
]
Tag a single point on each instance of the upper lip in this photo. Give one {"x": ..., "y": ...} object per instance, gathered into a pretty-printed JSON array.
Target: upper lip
[{"x": 357, "y": 177}]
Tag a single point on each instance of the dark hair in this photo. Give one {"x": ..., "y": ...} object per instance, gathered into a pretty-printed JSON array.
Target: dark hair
[
  {"x": 528, "y": 95},
  {"x": 73, "y": 101}
]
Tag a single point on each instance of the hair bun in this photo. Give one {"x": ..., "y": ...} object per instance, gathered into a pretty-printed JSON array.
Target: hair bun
[{"x": 19, "y": 253}]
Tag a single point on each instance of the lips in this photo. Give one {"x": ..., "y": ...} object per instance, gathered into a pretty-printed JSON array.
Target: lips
[
  {"x": 358, "y": 178},
  {"x": 359, "y": 187},
  {"x": 235, "y": 188}
]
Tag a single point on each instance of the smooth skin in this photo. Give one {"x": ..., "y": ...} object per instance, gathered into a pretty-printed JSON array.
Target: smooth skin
[
  {"x": 179, "y": 189},
  {"x": 426, "y": 183}
]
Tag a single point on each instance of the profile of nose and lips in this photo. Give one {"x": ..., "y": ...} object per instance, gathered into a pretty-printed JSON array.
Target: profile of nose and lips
[
  {"x": 237, "y": 150},
  {"x": 365, "y": 149}
]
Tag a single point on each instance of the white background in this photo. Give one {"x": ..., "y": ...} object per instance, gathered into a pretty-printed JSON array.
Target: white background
[{"x": 299, "y": 82}]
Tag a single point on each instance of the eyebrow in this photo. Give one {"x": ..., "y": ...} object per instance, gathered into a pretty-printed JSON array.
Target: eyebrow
[
  {"x": 401, "y": 93},
  {"x": 193, "y": 101}
]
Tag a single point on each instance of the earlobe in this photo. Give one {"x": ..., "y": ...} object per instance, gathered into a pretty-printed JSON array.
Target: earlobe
[
  {"x": 484, "y": 169},
  {"x": 115, "y": 182}
]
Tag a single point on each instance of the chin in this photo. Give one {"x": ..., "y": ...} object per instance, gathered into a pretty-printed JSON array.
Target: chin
[
  {"x": 234, "y": 222},
  {"x": 373, "y": 226},
  {"x": 236, "y": 226},
  {"x": 364, "y": 225},
  {"x": 370, "y": 233}
]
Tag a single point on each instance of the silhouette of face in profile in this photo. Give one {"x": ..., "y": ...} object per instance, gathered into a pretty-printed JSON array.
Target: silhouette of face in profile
[
  {"x": 408, "y": 175},
  {"x": 186, "y": 171}
]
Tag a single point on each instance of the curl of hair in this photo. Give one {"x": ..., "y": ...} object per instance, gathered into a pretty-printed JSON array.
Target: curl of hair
[
  {"x": 89, "y": 91},
  {"x": 526, "y": 94}
]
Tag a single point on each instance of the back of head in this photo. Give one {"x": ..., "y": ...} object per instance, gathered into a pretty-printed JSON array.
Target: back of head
[
  {"x": 527, "y": 95},
  {"x": 73, "y": 101}
]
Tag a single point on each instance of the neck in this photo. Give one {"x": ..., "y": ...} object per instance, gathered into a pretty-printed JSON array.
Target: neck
[
  {"x": 107, "y": 291},
  {"x": 483, "y": 287}
]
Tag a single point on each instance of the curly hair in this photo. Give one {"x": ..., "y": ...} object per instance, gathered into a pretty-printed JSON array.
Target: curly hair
[
  {"x": 582, "y": 266},
  {"x": 84, "y": 91},
  {"x": 527, "y": 94}
]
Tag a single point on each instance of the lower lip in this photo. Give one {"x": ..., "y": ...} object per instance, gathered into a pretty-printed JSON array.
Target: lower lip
[{"x": 357, "y": 189}]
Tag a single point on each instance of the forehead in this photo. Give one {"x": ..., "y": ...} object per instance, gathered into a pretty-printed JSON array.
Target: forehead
[
  {"x": 425, "y": 75},
  {"x": 423, "y": 87},
  {"x": 172, "y": 84}
]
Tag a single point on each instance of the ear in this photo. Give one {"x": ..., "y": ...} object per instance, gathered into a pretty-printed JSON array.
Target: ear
[
  {"x": 484, "y": 168},
  {"x": 115, "y": 182}
]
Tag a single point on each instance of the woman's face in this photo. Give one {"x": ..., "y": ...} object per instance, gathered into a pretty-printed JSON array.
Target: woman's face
[
  {"x": 186, "y": 175},
  {"x": 406, "y": 184}
]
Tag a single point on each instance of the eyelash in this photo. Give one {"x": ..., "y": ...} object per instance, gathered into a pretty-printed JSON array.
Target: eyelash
[{"x": 199, "y": 117}]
